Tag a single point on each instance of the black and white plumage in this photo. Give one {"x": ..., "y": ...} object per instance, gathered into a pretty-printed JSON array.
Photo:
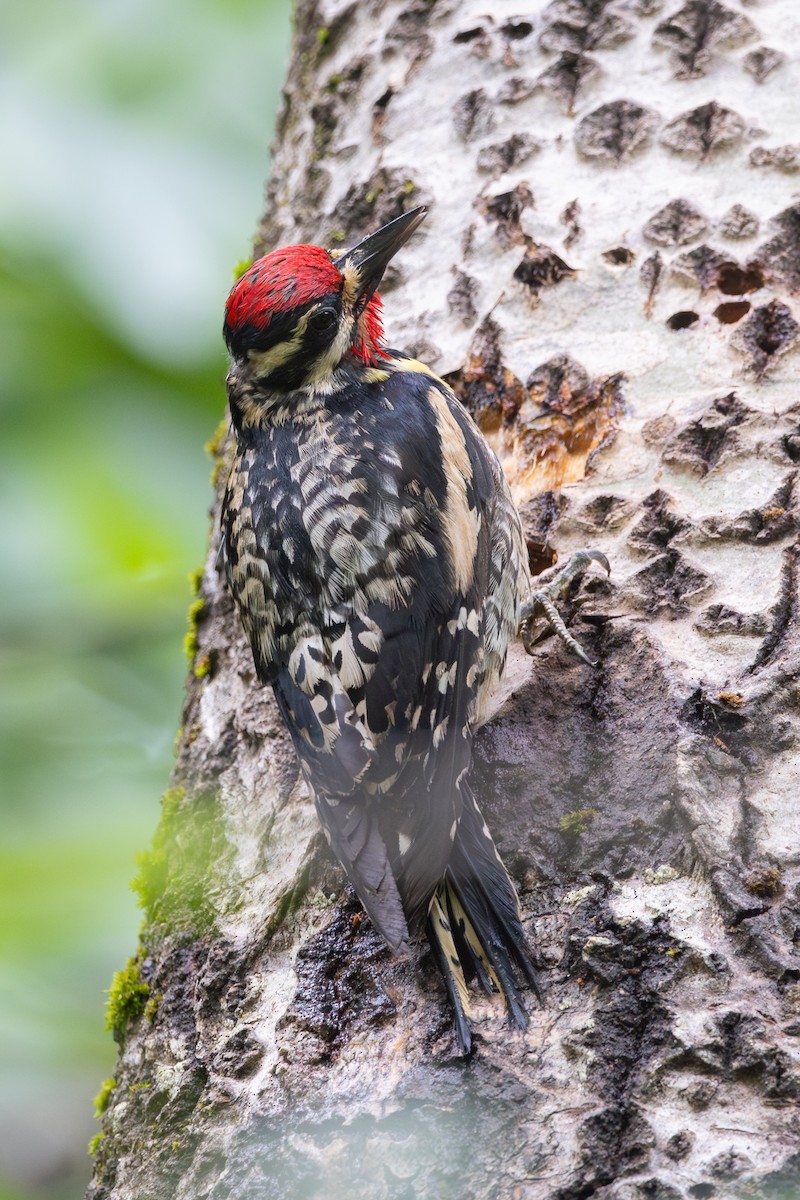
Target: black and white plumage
[{"x": 378, "y": 563}]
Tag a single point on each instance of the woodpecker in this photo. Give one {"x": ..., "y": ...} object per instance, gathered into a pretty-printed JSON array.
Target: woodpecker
[{"x": 378, "y": 563}]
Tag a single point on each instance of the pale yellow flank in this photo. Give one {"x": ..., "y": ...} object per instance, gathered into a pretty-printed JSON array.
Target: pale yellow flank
[{"x": 458, "y": 521}]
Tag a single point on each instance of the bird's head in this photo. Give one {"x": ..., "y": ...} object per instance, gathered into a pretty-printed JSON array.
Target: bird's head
[{"x": 297, "y": 313}]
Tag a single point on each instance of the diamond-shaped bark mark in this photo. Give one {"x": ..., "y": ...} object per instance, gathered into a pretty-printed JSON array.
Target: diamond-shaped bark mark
[
  {"x": 502, "y": 156},
  {"x": 484, "y": 369},
  {"x": 473, "y": 115},
  {"x": 705, "y": 130},
  {"x": 676, "y": 224},
  {"x": 614, "y": 131},
  {"x": 559, "y": 384},
  {"x": 388, "y": 193},
  {"x": 762, "y": 61},
  {"x": 485, "y": 386},
  {"x": 568, "y": 76},
  {"x": 777, "y": 158},
  {"x": 325, "y": 120},
  {"x": 515, "y": 89},
  {"x": 774, "y": 519},
  {"x": 668, "y": 584},
  {"x": 738, "y": 222},
  {"x": 409, "y": 31},
  {"x": 658, "y": 430},
  {"x": 702, "y": 444},
  {"x": 606, "y": 512},
  {"x": 541, "y": 267},
  {"x": 790, "y": 442},
  {"x": 540, "y": 519},
  {"x": 767, "y": 334},
  {"x": 461, "y": 297},
  {"x": 783, "y": 613},
  {"x": 700, "y": 266},
  {"x": 693, "y": 32},
  {"x": 571, "y": 219},
  {"x": 650, "y": 274},
  {"x": 781, "y": 254},
  {"x": 379, "y": 114},
  {"x": 577, "y": 25},
  {"x": 506, "y": 210},
  {"x": 659, "y": 525},
  {"x": 720, "y": 619}
]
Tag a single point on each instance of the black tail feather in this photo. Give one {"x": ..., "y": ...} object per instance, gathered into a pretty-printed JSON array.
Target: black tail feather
[
  {"x": 472, "y": 963},
  {"x": 475, "y": 859},
  {"x": 475, "y": 926},
  {"x": 448, "y": 960},
  {"x": 356, "y": 841}
]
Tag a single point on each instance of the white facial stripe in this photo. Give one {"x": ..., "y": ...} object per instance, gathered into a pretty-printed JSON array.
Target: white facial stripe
[
  {"x": 352, "y": 282},
  {"x": 264, "y": 362},
  {"x": 326, "y": 365}
]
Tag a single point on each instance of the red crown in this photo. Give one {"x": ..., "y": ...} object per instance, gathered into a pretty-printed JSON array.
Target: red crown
[{"x": 279, "y": 282}]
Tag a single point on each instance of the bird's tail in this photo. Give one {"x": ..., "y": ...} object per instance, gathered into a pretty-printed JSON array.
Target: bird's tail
[{"x": 474, "y": 925}]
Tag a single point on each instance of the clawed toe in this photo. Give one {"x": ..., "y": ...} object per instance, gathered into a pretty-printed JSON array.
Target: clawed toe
[{"x": 540, "y": 617}]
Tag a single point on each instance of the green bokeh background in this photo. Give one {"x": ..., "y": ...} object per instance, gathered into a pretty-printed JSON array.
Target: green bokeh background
[{"x": 135, "y": 146}]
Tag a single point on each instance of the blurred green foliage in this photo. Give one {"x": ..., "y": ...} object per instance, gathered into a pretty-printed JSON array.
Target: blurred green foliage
[{"x": 135, "y": 138}]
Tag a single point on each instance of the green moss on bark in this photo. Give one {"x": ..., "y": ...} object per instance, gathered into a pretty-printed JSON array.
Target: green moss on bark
[
  {"x": 190, "y": 637},
  {"x": 103, "y": 1097},
  {"x": 576, "y": 823},
  {"x": 127, "y": 998},
  {"x": 182, "y": 873},
  {"x": 95, "y": 1143}
]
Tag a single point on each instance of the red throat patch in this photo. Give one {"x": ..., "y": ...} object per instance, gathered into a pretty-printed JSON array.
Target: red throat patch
[
  {"x": 368, "y": 340},
  {"x": 282, "y": 280}
]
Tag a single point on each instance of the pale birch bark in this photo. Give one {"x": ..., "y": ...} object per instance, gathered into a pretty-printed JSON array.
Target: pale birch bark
[{"x": 615, "y": 182}]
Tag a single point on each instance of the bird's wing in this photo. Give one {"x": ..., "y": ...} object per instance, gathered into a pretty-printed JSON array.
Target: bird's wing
[{"x": 382, "y": 542}]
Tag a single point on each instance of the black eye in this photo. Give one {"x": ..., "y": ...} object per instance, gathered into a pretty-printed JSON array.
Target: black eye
[{"x": 322, "y": 319}]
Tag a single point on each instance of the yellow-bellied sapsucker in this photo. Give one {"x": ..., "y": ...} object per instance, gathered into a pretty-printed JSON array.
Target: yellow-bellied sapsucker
[{"x": 378, "y": 563}]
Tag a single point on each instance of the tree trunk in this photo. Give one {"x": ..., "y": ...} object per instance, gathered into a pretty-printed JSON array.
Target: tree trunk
[{"x": 607, "y": 278}]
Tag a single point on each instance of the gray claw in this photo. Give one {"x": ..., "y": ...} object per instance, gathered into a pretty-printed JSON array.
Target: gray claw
[{"x": 542, "y": 604}]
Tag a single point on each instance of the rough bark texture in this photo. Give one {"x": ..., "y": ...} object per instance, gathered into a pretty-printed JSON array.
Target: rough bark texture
[{"x": 609, "y": 277}]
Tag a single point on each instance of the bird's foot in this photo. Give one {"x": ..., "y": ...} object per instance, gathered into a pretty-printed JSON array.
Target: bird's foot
[{"x": 540, "y": 618}]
